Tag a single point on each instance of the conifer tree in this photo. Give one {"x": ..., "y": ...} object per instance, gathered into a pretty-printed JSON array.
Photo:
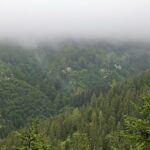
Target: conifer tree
[
  {"x": 136, "y": 134},
  {"x": 31, "y": 140}
]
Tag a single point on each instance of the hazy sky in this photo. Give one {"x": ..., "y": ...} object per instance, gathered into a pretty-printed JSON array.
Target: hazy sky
[{"x": 40, "y": 19}]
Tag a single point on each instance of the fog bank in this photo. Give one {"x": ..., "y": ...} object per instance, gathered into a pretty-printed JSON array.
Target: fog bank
[{"x": 34, "y": 20}]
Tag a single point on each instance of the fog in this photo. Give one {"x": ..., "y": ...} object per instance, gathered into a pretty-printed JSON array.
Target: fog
[{"x": 30, "y": 20}]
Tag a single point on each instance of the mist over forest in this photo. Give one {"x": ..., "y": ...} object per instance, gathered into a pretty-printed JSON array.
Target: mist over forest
[{"x": 74, "y": 75}]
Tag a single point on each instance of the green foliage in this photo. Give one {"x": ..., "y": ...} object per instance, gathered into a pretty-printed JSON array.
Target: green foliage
[
  {"x": 78, "y": 141},
  {"x": 74, "y": 90},
  {"x": 94, "y": 122},
  {"x": 19, "y": 103},
  {"x": 31, "y": 140},
  {"x": 136, "y": 133}
]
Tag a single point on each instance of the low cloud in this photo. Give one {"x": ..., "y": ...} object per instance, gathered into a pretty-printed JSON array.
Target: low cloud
[{"x": 49, "y": 19}]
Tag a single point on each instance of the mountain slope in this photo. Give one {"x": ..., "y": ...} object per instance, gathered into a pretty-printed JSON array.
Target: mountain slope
[
  {"x": 19, "y": 101},
  {"x": 95, "y": 121},
  {"x": 48, "y": 80}
]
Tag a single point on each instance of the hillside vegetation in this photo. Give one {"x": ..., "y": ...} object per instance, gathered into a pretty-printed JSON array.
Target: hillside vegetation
[
  {"x": 79, "y": 91},
  {"x": 90, "y": 126}
]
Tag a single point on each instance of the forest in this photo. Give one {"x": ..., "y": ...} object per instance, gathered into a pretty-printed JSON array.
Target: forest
[{"x": 75, "y": 95}]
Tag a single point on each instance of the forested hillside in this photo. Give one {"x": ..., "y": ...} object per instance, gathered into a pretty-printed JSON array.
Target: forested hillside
[
  {"x": 91, "y": 126},
  {"x": 80, "y": 91},
  {"x": 19, "y": 102}
]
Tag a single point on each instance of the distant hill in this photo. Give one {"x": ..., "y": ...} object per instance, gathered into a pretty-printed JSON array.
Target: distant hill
[{"x": 49, "y": 79}]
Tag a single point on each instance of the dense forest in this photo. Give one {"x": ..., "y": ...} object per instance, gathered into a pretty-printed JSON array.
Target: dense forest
[{"x": 75, "y": 95}]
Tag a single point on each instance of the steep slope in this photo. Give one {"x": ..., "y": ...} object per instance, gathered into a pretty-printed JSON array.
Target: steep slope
[
  {"x": 72, "y": 70},
  {"x": 94, "y": 122},
  {"x": 66, "y": 76},
  {"x": 98, "y": 119},
  {"x": 75, "y": 70},
  {"x": 19, "y": 101}
]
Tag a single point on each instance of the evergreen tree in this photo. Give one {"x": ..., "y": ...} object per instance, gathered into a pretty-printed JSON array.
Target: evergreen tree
[
  {"x": 78, "y": 141},
  {"x": 136, "y": 135},
  {"x": 31, "y": 140}
]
